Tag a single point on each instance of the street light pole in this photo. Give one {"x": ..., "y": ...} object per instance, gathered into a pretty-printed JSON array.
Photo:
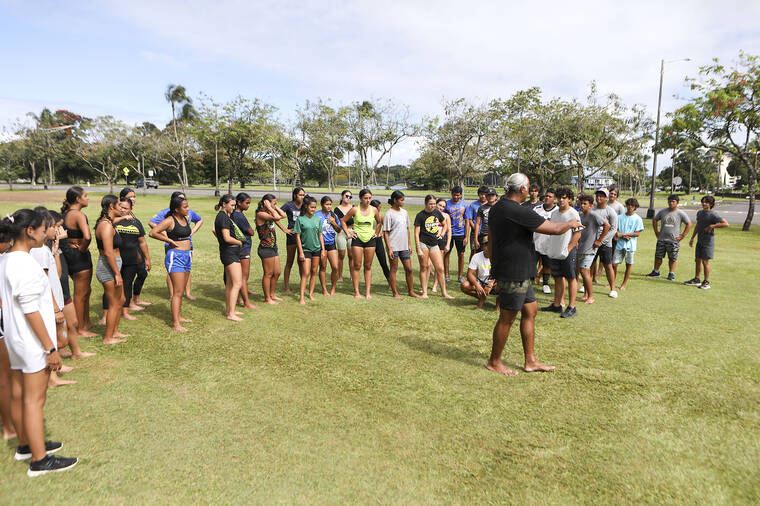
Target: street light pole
[{"x": 650, "y": 211}]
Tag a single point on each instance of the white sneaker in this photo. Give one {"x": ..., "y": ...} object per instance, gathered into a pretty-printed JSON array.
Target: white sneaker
[
  {"x": 613, "y": 294},
  {"x": 581, "y": 289},
  {"x": 546, "y": 289}
]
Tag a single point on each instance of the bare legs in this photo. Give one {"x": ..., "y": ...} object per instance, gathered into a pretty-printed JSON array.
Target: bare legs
[
  {"x": 626, "y": 276},
  {"x": 9, "y": 431},
  {"x": 69, "y": 312},
  {"x": 115, "y": 296},
  {"x": 409, "y": 277},
  {"x": 587, "y": 286},
  {"x": 232, "y": 286},
  {"x": 527, "y": 332},
  {"x": 271, "y": 268},
  {"x": 28, "y": 394},
  {"x": 82, "y": 290},
  {"x": 178, "y": 280},
  {"x": 245, "y": 269},
  {"x": 332, "y": 257},
  {"x": 436, "y": 258},
  {"x": 292, "y": 250},
  {"x": 358, "y": 253},
  {"x": 469, "y": 289},
  {"x": 424, "y": 260},
  {"x": 559, "y": 291},
  {"x": 308, "y": 270},
  {"x": 671, "y": 264},
  {"x": 698, "y": 264}
]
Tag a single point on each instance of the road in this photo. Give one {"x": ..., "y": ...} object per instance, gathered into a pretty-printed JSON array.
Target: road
[{"x": 734, "y": 212}]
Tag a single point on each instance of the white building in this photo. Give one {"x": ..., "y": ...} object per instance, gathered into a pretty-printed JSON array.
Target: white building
[
  {"x": 725, "y": 180},
  {"x": 599, "y": 180}
]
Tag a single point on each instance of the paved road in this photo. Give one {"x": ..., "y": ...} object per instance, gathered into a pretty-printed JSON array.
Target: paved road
[{"x": 734, "y": 212}]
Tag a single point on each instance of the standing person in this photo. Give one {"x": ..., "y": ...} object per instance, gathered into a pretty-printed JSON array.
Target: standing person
[
  {"x": 594, "y": 230},
  {"x": 267, "y": 215},
  {"x": 669, "y": 239},
  {"x": 292, "y": 209},
  {"x": 630, "y": 227},
  {"x": 144, "y": 267},
  {"x": 444, "y": 243},
  {"x": 197, "y": 221},
  {"x": 429, "y": 228},
  {"x": 9, "y": 431},
  {"x": 513, "y": 265},
  {"x": 481, "y": 220},
  {"x": 707, "y": 221},
  {"x": 479, "y": 283},
  {"x": 399, "y": 243},
  {"x": 613, "y": 201},
  {"x": 343, "y": 239},
  {"x": 230, "y": 240},
  {"x": 135, "y": 256},
  {"x": 456, "y": 208},
  {"x": 471, "y": 214},
  {"x": 243, "y": 202},
  {"x": 77, "y": 253},
  {"x": 380, "y": 245},
  {"x": 108, "y": 270},
  {"x": 540, "y": 241},
  {"x": 330, "y": 226},
  {"x": 311, "y": 246},
  {"x": 533, "y": 196},
  {"x": 362, "y": 239},
  {"x": 175, "y": 231},
  {"x": 604, "y": 252},
  {"x": 29, "y": 324},
  {"x": 561, "y": 256}
]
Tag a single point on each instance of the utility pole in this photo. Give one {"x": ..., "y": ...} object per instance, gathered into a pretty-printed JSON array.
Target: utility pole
[{"x": 650, "y": 211}]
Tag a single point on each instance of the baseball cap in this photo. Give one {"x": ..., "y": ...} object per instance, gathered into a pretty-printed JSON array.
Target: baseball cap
[
  {"x": 602, "y": 190},
  {"x": 491, "y": 191}
]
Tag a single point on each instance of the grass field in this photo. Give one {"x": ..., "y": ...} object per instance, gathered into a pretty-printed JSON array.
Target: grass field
[{"x": 655, "y": 398}]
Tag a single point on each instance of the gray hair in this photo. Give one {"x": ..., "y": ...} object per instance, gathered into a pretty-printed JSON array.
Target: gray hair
[{"x": 515, "y": 182}]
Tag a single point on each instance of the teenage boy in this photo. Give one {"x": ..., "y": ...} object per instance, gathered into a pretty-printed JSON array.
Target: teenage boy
[
  {"x": 479, "y": 283},
  {"x": 561, "y": 255},
  {"x": 669, "y": 238},
  {"x": 540, "y": 241},
  {"x": 456, "y": 208},
  {"x": 614, "y": 203},
  {"x": 481, "y": 221},
  {"x": 595, "y": 229},
  {"x": 630, "y": 226},
  {"x": 533, "y": 201},
  {"x": 471, "y": 215},
  {"x": 707, "y": 221},
  {"x": 605, "y": 250}
]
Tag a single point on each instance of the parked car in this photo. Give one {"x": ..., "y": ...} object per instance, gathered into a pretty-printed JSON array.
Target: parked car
[{"x": 147, "y": 183}]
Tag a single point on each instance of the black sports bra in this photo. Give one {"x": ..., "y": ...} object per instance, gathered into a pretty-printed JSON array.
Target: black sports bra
[
  {"x": 179, "y": 232},
  {"x": 116, "y": 239},
  {"x": 74, "y": 233},
  {"x": 340, "y": 215}
]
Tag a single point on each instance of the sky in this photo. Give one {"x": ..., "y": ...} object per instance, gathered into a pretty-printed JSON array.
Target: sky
[{"x": 117, "y": 58}]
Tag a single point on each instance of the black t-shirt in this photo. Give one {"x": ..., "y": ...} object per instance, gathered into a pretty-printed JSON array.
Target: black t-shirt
[
  {"x": 483, "y": 213},
  {"x": 511, "y": 239},
  {"x": 430, "y": 224},
  {"x": 224, "y": 221},
  {"x": 130, "y": 232}
]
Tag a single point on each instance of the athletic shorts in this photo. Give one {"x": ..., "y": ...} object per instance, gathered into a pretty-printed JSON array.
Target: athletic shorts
[
  {"x": 358, "y": 243},
  {"x": 704, "y": 251},
  {"x": 245, "y": 253},
  {"x": 402, "y": 255},
  {"x": 585, "y": 261},
  {"x": 103, "y": 271},
  {"x": 177, "y": 260},
  {"x": 342, "y": 241},
  {"x": 458, "y": 242},
  {"x": 424, "y": 246},
  {"x": 65, "y": 280},
  {"x": 513, "y": 295},
  {"x": 330, "y": 247},
  {"x": 671, "y": 248},
  {"x": 290, "y": 240},
  {"x": 312, "y": 254},
  {"x": 563, "y": 268},
  {"x": 622, "y": 254},
  {"x": 265, "y": 252},
  {"x": 77, "y": 261},
  {"x": 24, "y": 355},
  {"x": 442, "y": 243},
  {"x": 605, "y": 254},
  {"x": 229, "y": 255}
]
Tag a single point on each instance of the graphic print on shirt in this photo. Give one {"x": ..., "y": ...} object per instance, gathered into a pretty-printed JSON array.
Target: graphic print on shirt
[{"x": 432, "y": 225}]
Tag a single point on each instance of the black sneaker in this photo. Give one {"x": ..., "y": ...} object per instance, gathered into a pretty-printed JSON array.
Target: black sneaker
[
  {"x": 705, "y": 285},
  {"x": 569, "y": 312},
  {"x": 671, "y": 276},
  {"x": 25, "y": 453},
  {"x": 552, "y": 308},
  {"x": 654, "y": 274},
  {"x": 692, "y": 282},
  {"x": 50, "y": 464}
]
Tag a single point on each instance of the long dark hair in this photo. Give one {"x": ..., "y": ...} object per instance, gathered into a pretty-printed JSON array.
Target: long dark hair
[
  {"x": 72, "y": 194},
  {"x": 227, "y": 197},
  {"x": 241, "y": 197},
  {"x": 12, "y": 226},
  {"x": 267, "y": 197},
  {"x": 106, "y": 203},
  {"x": 296, "y": 191},
  {"x": 308, "y": 199},
  {"x": 48, "y": 218},
  {"x": 176, "y": 202},
  {"x": 428, "y": 197},
  {"x": 397, "y": 194},
  {"x": 124, "y": 192},
  {"x": 364, "y": 191}
]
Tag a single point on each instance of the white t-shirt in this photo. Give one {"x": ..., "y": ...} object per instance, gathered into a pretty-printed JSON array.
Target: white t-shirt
[
  {"x": 24, "y": 289},
  {"x": 45, "y": 258},
  {"x": 618, "y": 206},
  {"x": 557, "y": 244},
  {"x": 482, "y": 266},
  {"x": 540, "y": 241},
  {"x": 396, "y": 223}
]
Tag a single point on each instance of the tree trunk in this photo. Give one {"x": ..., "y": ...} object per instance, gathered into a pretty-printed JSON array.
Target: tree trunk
[
  {"x": 110, "y": 177},
  {"x": 141, "y": 164},
  {"x": 34, "y": 173},
  {"x": 10, "y": 182},
  {"x": 50, "y": 169},
  {"x": 751, "y": 210},
  {"x": 229, "y": 180},
  {"x": 216, "y": 168},
  {"x": 274, "y": 172},
  {"x": 691, "y": 172}
]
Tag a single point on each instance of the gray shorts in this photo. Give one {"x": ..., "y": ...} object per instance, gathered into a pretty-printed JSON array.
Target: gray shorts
[
  {"x": 513, "y": 295},
  {"x": 671, "y": 248},
  {"x": 704, "y": 251},
  {"x": 103, "y": 271},
  {"x": 424, "y": 246},
  {"x": 402, "y": 255}
]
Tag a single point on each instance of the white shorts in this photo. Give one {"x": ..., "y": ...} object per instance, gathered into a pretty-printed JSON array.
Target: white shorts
[
  {"x": 28, "y": 358},
  {"x": 621, "y": 254}
]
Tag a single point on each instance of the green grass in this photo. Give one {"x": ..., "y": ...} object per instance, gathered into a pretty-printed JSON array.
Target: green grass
[{"x": 655, "y": 398}]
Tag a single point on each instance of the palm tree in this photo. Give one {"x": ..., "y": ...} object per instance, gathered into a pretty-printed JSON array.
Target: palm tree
[{"x": 176, "y": 95}]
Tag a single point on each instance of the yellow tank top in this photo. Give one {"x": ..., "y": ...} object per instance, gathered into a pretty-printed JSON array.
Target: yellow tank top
[{"x": 364, "y": 225}]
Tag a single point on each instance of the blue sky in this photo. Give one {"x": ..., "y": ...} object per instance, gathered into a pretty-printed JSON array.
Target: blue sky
[{"x": 117, "y": 57}]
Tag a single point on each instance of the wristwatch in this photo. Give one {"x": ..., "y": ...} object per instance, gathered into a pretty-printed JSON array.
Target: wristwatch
[{"x": 51, "y": 350}]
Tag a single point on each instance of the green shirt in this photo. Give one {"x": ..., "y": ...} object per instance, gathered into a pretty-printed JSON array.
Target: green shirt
[{"x": 309, "y": 228}]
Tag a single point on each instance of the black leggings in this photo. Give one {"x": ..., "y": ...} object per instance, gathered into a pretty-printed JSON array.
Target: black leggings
[
  {"x": 142, "y": 275},
  {"x": 381, "y": 259},
  {"x": 128, "y": 275}
]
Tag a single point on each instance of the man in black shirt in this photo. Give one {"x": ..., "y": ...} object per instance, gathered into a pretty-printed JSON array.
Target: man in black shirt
[{"x": 513, "y": 265}]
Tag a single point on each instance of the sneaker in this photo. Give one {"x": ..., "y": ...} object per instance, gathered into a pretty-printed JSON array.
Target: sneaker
[
  {"x": 692, "y": 282},
  {"x": 569, "y": 312},
  {"x": 546, "y": 289},
  {"x": 705, "y": 285},
  {"x": 461, "y": 279},
  {"x": 448, "y": 278},
  {"x": 581, "y": 289},
  {"x": 50, "y": 464},
  {"x": 613, "y": 294},
  {"x": 552, "y": 308},
  {"x": 654, "y": 274},
  {"x": 25, "y": 453},
  {"x": 671, "y": 276}
]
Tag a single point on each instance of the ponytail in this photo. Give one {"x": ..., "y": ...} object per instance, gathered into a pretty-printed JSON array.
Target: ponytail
[
  {"x": 267, "y": 197},
  {"x": 72, "y": 194},
  {"x": 308, "y": 199},
  {"x": 397, "y": 194},
  {"x": 14, "y": 224},
  {"x": 227, "y": 197},
  {"x": 106, "y": 203}
]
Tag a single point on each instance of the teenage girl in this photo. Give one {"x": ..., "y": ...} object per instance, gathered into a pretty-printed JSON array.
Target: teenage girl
[
  {"x": 267, "y": 215},
  {"x": 362, "y": 239},
  {"x": 175, "y": 230},
  {"x": 292, "y": 209},
  {"x": 398, "y": 242},
  {"x": 311, "y": 246},
  {"x": 330, "y": 226},
  {"x": 230, "y": 240},
  {"x": 343, "y": 239},
  {"x": 144, "y": 266},
  {"x": 444, "y": 243},
  {"x": 77, "y": 253},
  {"x": 108, "y": 270},
  {"x": 429, "y": 228},
  {"x": 242, "y": 203},
  {"x": 134, "y": 255},
  {"x": 9, "y": 431}
]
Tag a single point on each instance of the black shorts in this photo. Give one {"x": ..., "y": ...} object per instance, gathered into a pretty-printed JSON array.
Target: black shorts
[
  {"x": 458, "y": 242},
  {"x": 513, "y": 295},
  {"x": 290, "y": 239},
  {"x": 265, "y": 252},
  {"x": 358, "y": 243},
  {"x": 65, "y": 280},
  {"x": 77, "y": 261},
  {"x": 230, "y": 255},
  {"x": 565, "y": 268},
  {"x": 604, "y": 253},
  {"x": 245, "y": 253},
  {"x": 312, "y": 254},
  {"x": 442, "y": 243},
  {"x": 330, "y": 247}
]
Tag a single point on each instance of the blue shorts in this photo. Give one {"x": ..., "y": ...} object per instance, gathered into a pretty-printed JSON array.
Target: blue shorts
[{"x": 177, "y": 260}]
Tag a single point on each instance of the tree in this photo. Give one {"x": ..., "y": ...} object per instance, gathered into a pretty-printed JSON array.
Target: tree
[
  {"x": 176, "y": 95},
  {"x": 325, "y": 130},
  {"x": 12, "y": 160},
  {"x": 53, "y": 134},
  {"x": 101, "y": 146},
  {"x": 724, "y": 115},
  {"x": 430, "y": 170},
  {"x": 208, "y": 131}
]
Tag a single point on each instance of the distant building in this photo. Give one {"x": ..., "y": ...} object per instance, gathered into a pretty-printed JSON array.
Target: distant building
[
  {"x": 726, "y": 180},
  {"x": 599, "y": 180}
]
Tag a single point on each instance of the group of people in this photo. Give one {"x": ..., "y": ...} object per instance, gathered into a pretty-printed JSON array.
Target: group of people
[{"x": 515, "y": 241}]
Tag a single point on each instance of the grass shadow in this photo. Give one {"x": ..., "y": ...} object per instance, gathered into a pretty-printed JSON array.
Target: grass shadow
[{"x": 442, "y": 350}]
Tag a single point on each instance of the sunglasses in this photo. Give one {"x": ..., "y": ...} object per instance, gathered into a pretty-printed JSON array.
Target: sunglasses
[{"x": 348, "y": 196}]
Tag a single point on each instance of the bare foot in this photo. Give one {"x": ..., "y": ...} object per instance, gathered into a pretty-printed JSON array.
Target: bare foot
[
  {"x": 447, "y": 296},
  {"x": 64, "y": 353},
  {"x": 274, "y": 297},
  {"x": 332, "y": 291},
  {"x": 424, "y": 296},
  {"x": 590, "y": 300},
  {"x": 311, "y": 297},
  {"x": 234, "y": 317},
  {"x": 102, "y": 321},
  {"x": 113, "y": 340},
  {"x": 142, "y": 302},
  {"x": 397, "y": 296},
  {"x": 87, "y": 333},
  {"x": 81, "y": 354},
  {"x": 622, "y": 287},
  {"x": 129, "y": 316},
  {"x": 239, "y": 313},
  {"x": 583, "y": 299},
  {"x": 302, "y": 302},
  {"x": 500, "y": 368},
  {"x": 179, "y": 328},
  {"x": 65, "y": 368},
  {"x": 135, "y": 307},
  {"x": 58, "y": 382},
  {"x": 189, "y": 297},
  {"x": 9, "y": 433},
  {"x": 414, "y": 294},
  {"x": 288, "y": 291},
  {"x": 185, "y": 320},
  {"x": 251, "y": 306},
  {"x": 435, "y": 289},
  {"x": 538, "y": 367},
  {"x": 271, "y": 302},
  {"x": 325, "y": 293},
  {"x": 368, "y": 296},
  {"x": 120, "y": 334},
  {"x": 478, "y": 306},
  {"x": 358, "y": 296},
  {"x": 251, "y": 292}
]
